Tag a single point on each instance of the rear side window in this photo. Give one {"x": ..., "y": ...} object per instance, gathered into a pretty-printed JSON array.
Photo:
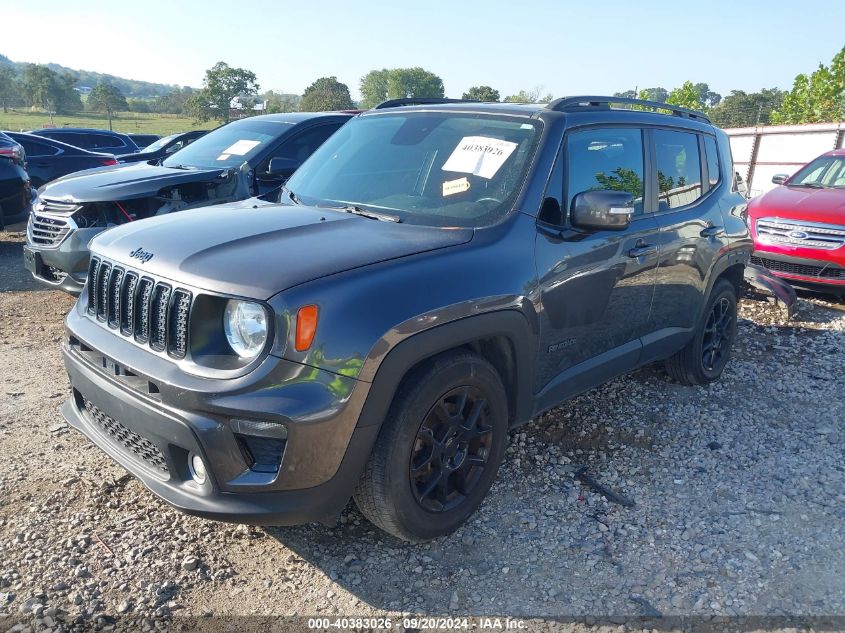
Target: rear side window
[
  {"x": 71, "y": 138},
  {"x": 102, "y": 141},
  {"x": 605, "y": 158},
  {"x": 678, "y": 169},
  {"x": 35, "y": 149},
  {"x": 714, "y": 170}
]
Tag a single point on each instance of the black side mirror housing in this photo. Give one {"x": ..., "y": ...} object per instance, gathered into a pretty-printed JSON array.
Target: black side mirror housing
[
  {"x": 281, "y": 167},
  {"x": 602, "y": 209}
]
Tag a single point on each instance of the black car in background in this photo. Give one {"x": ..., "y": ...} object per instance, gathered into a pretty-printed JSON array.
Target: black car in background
[
  {"x": 163, "y": 147},
  {"x": 15, "y": 190},
  {"x": 91, "y": 139},
  {"x": 144, "y": 140},
  {"x": 48, "y": 159},
  {"x": 245, "y": 158}
]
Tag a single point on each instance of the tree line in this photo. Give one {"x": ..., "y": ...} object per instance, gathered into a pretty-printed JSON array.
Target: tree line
[{"x": 228, "y": 91}]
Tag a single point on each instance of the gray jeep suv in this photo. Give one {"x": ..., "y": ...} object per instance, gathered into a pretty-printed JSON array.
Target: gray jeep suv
[{"x": 433, "y": 276}]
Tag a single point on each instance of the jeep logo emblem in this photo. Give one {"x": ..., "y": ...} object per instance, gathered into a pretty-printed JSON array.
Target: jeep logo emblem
[{"x": 142, "y": 255}]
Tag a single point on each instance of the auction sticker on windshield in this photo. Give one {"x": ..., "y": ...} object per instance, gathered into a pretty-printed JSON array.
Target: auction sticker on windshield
[
  {"x": 239, "y": 148},
  {"x": 451, "y": 187},
  {"x": 479, "y": 155}
]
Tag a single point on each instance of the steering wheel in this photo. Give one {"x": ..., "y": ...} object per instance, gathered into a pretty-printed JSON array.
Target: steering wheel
[{"x": 490, "y": 201}]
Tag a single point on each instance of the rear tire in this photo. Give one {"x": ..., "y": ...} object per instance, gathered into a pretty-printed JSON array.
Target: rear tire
[
  {"x": 438, "y": 450},
  {"x": 704, "y": 358}
]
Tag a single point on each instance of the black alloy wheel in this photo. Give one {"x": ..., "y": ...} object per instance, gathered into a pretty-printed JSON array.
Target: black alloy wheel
[{"x": 451, "y": 450}]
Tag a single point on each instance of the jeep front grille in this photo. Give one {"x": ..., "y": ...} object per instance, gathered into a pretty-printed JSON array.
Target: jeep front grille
[
  {"x": 141, "y": 447},
  {"x": 139, "y": 307},
  {"x": 45, "y": 230},
  {"x": 797, "y": 233}
]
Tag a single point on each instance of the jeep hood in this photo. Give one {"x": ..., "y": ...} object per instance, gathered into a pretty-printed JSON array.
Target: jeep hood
[
  {"x": 257, "y": 249},
  {"x": 801, "y": 203},
  {"x": 122, "y": 182}
]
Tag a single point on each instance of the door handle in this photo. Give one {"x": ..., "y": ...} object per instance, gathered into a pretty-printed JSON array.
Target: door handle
[
  {"x": 712, "y": 231},
  {"x": 642, "y": 250}
]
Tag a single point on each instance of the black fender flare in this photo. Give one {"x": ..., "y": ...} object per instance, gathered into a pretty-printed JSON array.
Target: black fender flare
[
  {"x": 509, "y": 324},
  {"x": 733, "y": 257}
]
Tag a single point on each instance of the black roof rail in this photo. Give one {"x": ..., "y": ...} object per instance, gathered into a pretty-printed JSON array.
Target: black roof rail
[
  {"x": 573, "y": 104},
  {"x": 395, "y": 103}
]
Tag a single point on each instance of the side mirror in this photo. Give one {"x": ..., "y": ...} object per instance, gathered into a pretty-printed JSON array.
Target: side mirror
[
  {"x": 281, "y": 167},
  {"x": 779, "y": 179},
  {"x": 603, "y": 209}
]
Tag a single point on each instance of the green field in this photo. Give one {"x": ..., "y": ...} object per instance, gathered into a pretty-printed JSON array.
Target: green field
[{"x": 127, "y": 122}]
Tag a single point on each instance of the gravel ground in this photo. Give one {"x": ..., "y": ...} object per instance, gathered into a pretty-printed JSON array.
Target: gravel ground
[{"x": 733, "y": 503}]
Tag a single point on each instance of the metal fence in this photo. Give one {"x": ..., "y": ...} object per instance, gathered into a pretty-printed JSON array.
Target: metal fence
[{"x": 761, "y": 152}]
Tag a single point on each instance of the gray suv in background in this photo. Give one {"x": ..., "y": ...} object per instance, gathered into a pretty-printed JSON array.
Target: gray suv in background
[
  {"x": 433, "y": 276},
  {"x": 236, "y": 161}
]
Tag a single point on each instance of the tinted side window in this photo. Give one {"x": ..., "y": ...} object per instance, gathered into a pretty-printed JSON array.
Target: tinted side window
[
  {"x": 102, "y": 141},
  {"x": 714, "y": 168},
  {"x": 678, "y": 168},
  {"x": 72, "y": 138},
  {"x": 605, "y": 158},
  {"x": 35, "y": 149},
  {"x": 303, "y": 145}
]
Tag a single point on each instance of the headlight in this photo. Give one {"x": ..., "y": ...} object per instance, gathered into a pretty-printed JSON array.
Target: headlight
[{"x": 245, "y": 324}]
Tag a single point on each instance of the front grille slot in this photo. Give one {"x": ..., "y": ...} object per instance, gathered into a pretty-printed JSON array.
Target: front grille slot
[
  {"x": 177, "y": 334},
  {"x": 114, "y": 297},
  {"x": 48, "y": 231},
  {"x": 140, "y": 446},
  {"x": 158, "y": 317},
  {"x": 101, "y": 288},
  {"x": 153, "y": 313},
  {"x": 803, "y": 234},
  {"x": 804, "y": 270},
  {"x": 142, "y": 310},
  {"x": 127, "y": 303},
  {"x": 92, "y": 280}
]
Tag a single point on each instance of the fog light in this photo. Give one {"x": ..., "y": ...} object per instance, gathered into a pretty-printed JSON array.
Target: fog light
[{"x": 197, "y": 468}]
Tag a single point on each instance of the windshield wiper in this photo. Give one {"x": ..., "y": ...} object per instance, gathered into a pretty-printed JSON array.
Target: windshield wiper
[
  {"x": 366, "y": 213},
  {"x": 811, "y": 185}
]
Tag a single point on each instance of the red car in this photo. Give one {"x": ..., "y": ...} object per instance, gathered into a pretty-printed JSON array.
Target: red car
[{"x": 799, "y": 227}]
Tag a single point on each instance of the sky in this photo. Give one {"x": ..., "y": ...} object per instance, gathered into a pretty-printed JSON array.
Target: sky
[{"x": 566, "y": 47}]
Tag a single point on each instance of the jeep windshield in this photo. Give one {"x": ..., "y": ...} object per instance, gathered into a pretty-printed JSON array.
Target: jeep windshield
[
  {"x": 433, "y": 168},
  {"x": 228, "y": 146}
]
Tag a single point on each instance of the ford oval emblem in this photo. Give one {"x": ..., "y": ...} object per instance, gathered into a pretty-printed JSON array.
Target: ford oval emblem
[{"x": 798, "y": 235}]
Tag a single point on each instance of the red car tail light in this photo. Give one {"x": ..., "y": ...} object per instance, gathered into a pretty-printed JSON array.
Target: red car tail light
[{"x": 109, "y": 161}]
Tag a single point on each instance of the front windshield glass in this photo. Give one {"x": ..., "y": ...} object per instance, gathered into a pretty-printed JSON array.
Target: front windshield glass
[
  {"x": 228, "y": 146},
  {"x": 154, "y": 147},
  {"x": 439, "y": 169},
  {"x": 824, "y": 172}
]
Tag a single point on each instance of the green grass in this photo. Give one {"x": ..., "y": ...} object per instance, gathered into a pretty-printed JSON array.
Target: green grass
[{"x": 126, "y": 122}]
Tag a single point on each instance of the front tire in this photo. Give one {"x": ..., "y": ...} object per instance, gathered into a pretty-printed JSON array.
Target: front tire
[
  {"x": 439, "y": 448},
  {"x": 704, "y": 358}
]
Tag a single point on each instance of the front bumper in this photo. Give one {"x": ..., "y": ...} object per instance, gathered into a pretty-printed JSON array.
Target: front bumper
[
  {"x": 156, "y": 422},
  {"x": 802, "y": 270},
  {"x": 64, "y": 266}
]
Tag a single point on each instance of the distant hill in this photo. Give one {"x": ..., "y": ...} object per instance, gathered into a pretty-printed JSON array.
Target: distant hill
[{"x": 129, "y": 87}]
